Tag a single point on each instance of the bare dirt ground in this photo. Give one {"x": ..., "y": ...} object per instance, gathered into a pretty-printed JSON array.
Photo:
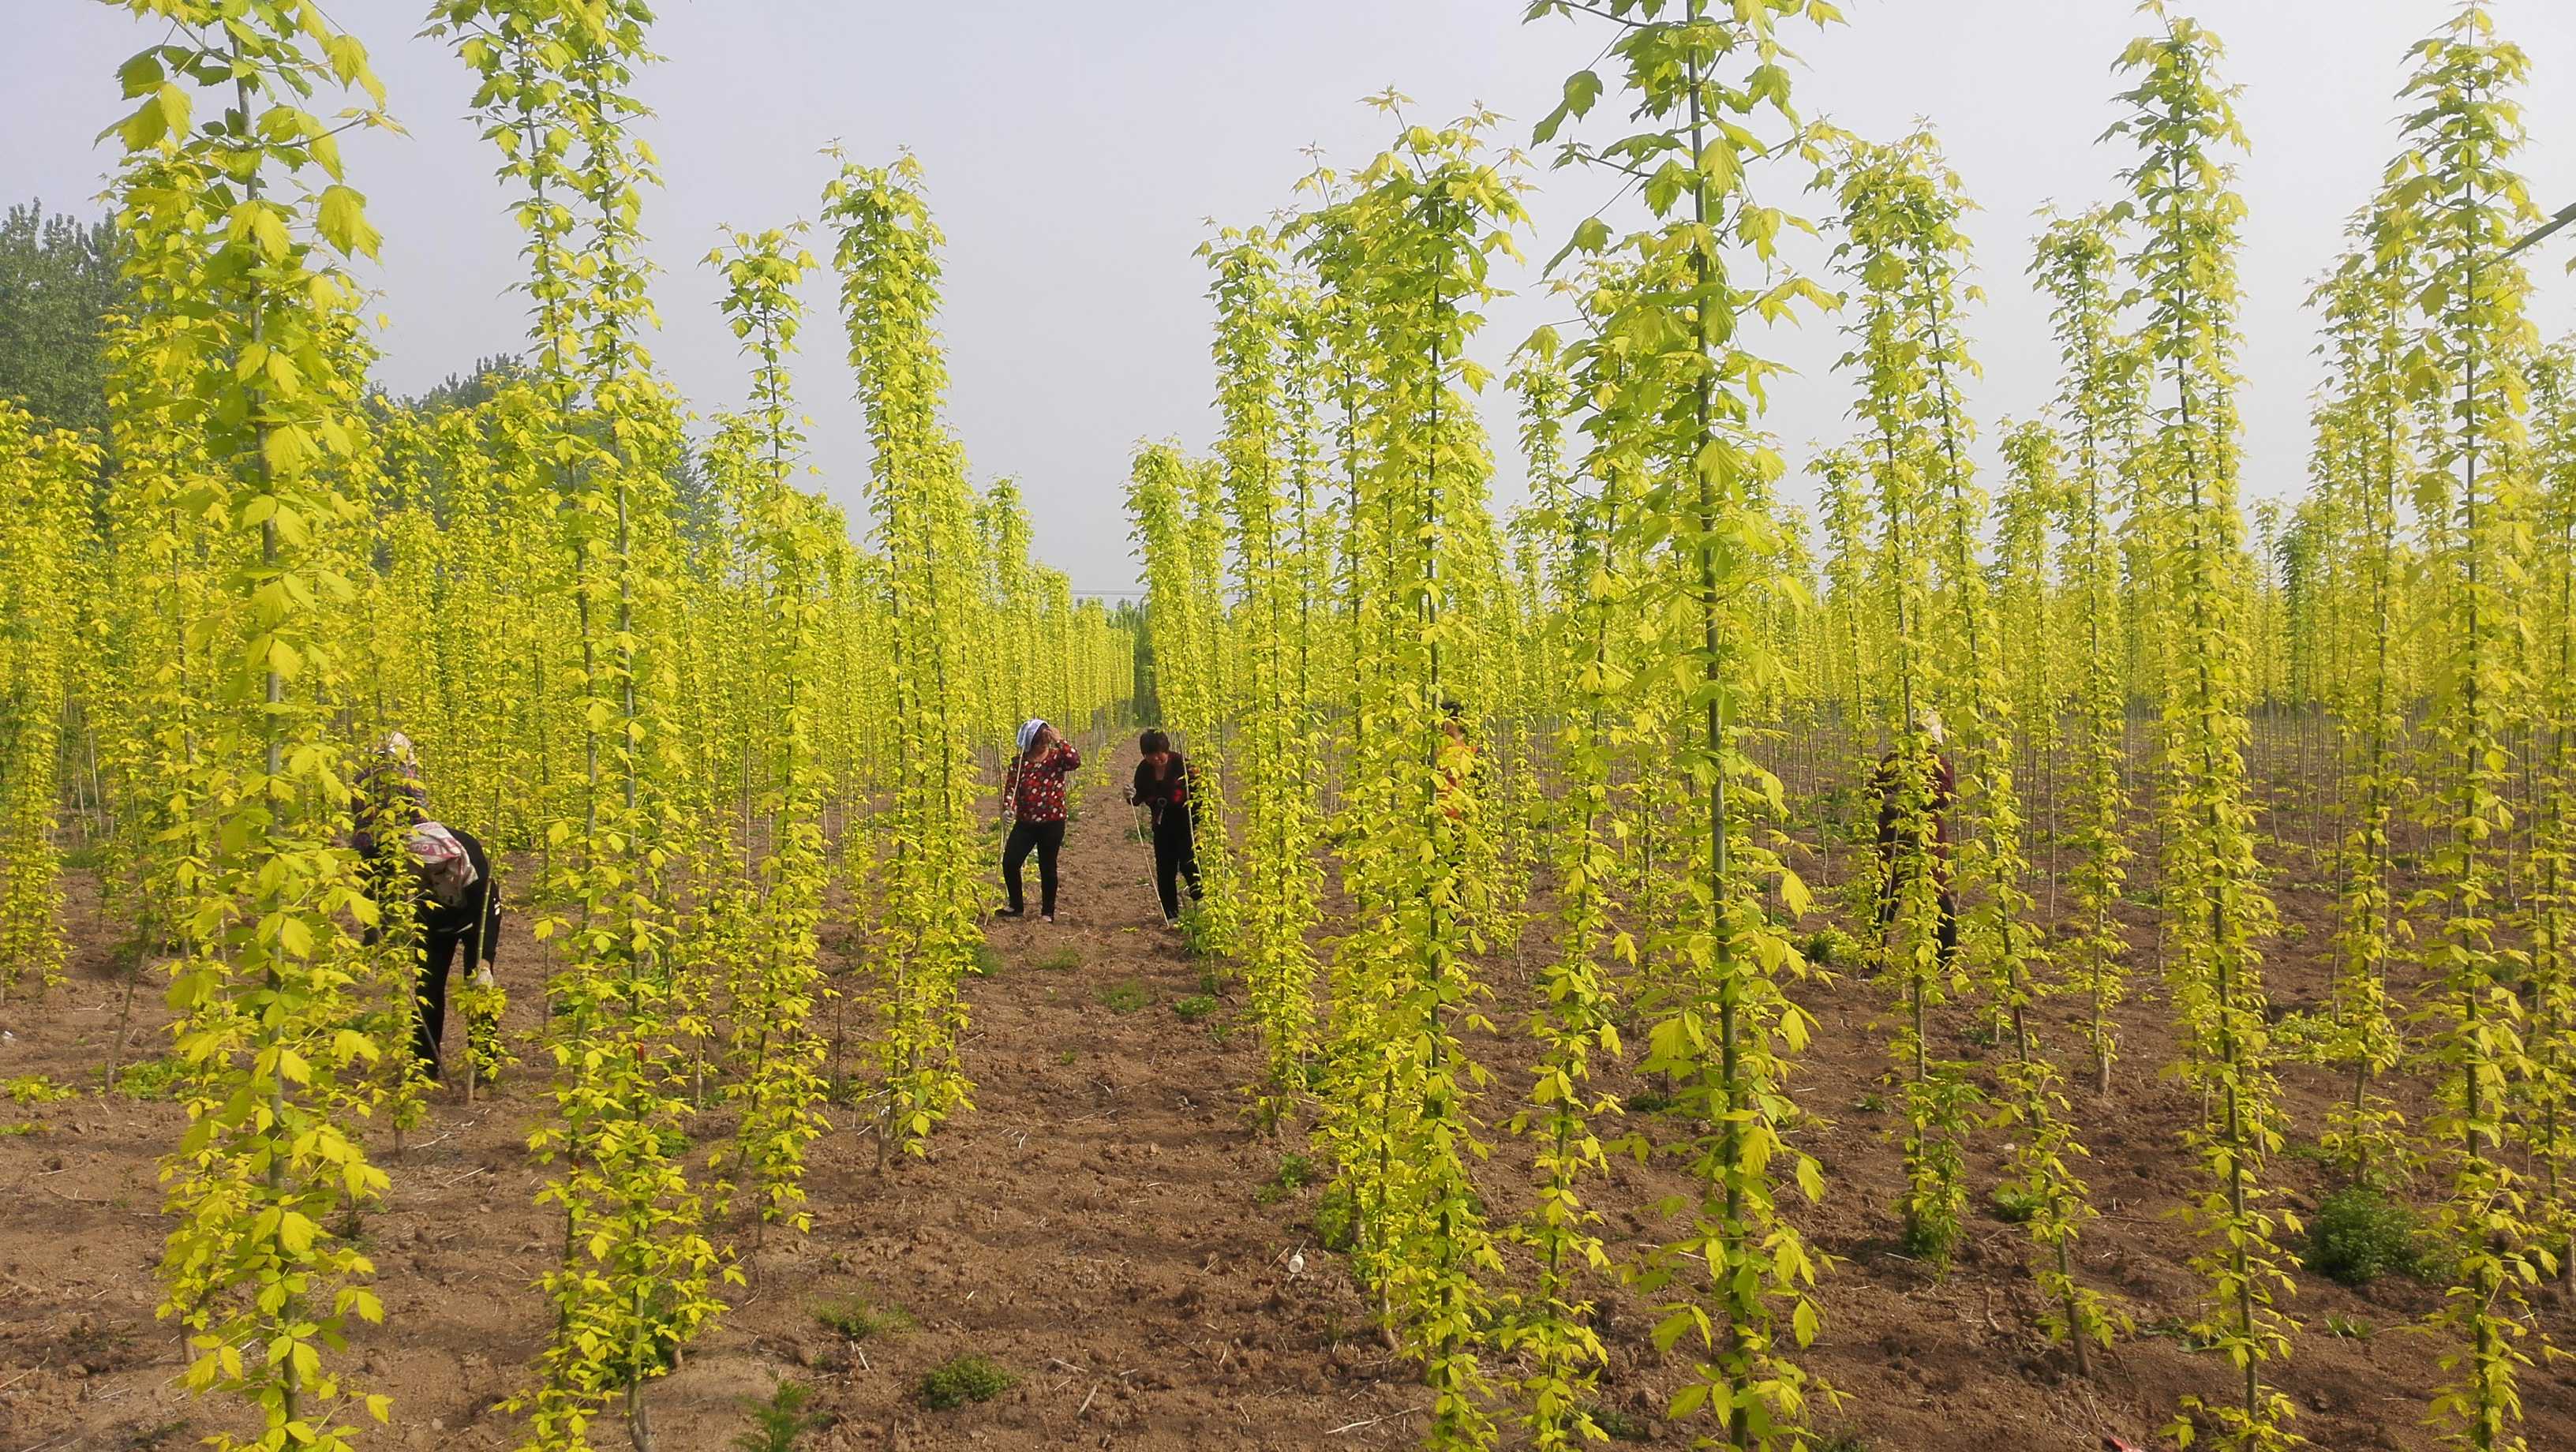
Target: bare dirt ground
[{"x": 1105, "y": 1225}]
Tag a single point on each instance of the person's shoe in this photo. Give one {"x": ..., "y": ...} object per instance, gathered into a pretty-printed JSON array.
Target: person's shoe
[
  {"x": 1173, "y": 923},
  {"x": 1050, "y": 917},
  {"x": 1009, "y": 913}
]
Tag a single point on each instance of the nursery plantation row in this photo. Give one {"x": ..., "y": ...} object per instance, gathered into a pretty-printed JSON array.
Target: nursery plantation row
[
  {"x": 688, "y": 732},
  {"x": 1504, "y": 807}
]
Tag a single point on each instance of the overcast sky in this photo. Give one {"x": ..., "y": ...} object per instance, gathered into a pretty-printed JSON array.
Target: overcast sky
[{"x": 1077, "y": 152}]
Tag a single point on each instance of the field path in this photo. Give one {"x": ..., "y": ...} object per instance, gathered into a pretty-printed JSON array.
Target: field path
[{"x": 1096, "y": 1217}]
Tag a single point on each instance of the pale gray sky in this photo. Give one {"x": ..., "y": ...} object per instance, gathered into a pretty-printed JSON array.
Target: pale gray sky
[{"x": 1076, "y": 153}]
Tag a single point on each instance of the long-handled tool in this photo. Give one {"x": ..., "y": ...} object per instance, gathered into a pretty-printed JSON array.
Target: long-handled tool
[{"x": 1145, "y": 834}]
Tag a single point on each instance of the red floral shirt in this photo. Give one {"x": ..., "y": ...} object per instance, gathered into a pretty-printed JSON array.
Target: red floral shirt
[{"x": 1034, "y": 790}]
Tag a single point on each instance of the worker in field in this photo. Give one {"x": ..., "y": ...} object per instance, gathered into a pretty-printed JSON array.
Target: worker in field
[
  {"x": 1454, "y": 762},
  {"x": 1033, "y": 798},
  {"x": 1930, "y": 834},
  {"x": 1164, "y": 784},
  {"x": 455, "y": 909},
  {"x": 387, "y": 795}
]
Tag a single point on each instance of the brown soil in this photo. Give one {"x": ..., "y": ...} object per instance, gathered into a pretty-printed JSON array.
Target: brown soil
[{"x": 1100, "y": 1225}]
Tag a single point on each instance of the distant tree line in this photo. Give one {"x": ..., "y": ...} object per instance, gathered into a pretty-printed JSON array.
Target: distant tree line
[
  {"x": 62, "y": 281},
  {"x": 60, "y": 278}
]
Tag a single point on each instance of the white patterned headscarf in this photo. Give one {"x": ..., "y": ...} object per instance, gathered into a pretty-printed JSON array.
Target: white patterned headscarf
[{"x": 1029, "y": 730}]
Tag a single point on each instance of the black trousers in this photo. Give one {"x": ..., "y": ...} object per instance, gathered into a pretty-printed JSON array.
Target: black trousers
[
  {"x": 437, "y": 958},
  {"x": 1048, "y": 839},
  {"x": 1888, "y": 889},
  {"x": 473, "y": 926},
  {"x": 1176, "y": 855}
]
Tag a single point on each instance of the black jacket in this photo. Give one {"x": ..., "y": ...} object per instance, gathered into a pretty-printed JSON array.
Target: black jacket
[
  {"x": 480, "y": 899},
  {"x": 1176, "y": 787},
  {"x": 387, "y": 873}
]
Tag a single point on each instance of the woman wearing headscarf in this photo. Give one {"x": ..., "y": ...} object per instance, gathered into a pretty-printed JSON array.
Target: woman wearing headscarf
[
  {"x": 1165, "y": 785},
  {"x": 455, "y": 911},
  {"x": 1033, "y": 796}
]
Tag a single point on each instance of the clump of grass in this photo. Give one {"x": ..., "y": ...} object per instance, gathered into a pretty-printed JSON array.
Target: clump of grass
[
  {"x": 2311, "y": 1151},
  {"x": 1296, "y": 1172},
  {"x": 1831, "y": 948},
  {"x": 988, "y": 961},
  {"x": 2350, "y": 1328},
  {"x": 1124, "y": 997},
  {"x": 778, "y": 1423},
  {"x": 22, "y": 1129},
  {"x": 2182, "y": 1332},
  {"x": 856, "y": 1318},
  {"x": 1067, "y": 1057},
  {"x": 1648, "y": 1101},
  {"x": 2015, "y": 1204},
  {"x": 2359, "y": 1235},
  {"x": 151, "y": 1079},
  {"x": 1195, "y": 1007},
  {"x": 37, "y": 1089},
  {"x": 1931, "y": 1240},
  {"x": 2306, "y": 1037},
  {"x": 1062, "y": 960},
  {"x": 1620, "y": 1426},
  {"x": 965, "y": 1379}
]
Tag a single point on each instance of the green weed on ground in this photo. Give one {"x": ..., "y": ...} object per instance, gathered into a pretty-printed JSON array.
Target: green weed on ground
[
  {"x": 1621, "y": 1426},
  {"x": 966, "y": 1379},
  {"x": 2359, "y": 1235},
  {"x": 778, "y": 1423},
  {"x": 858, "y": 1318},
  {"x": 1296, "y": 1172},
  {"x": 37, "y": 1089},
  {"x": 2349, "y": 1328},
  {"x": 2015, "y": 1204},
  {"x": 151, "y": 1079}
]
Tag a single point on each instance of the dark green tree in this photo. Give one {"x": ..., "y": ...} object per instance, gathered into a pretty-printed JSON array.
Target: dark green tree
[{"x": 59, "y": 279}]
